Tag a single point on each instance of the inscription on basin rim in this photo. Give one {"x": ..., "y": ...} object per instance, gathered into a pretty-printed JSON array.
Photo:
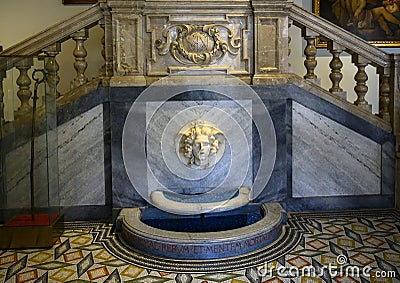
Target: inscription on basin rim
[{"x": 209, "y": 249}]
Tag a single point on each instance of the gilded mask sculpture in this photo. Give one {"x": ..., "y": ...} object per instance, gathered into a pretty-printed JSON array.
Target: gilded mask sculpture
[{"x": 201, "y": 145}]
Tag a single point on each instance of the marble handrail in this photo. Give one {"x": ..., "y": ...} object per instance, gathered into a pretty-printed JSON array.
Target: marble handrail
[
  {"x": 325, "y": 28},
  {"x": 47, "y": 44},
  {"x": 56, "y": 33},
  {"x": 363, "y": 54},
  {"x": 190, "y": 208}
]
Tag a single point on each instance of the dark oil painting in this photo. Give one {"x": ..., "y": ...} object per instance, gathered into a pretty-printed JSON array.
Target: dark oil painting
[
  {"x": 376, "y": 21},
  {"x": 79, "y": 1}
]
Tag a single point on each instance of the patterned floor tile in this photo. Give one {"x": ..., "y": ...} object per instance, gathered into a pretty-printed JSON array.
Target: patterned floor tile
[
  {"x": 317, "y": 244},
  {"x": 333, "y": 229},
  {"x": 392, "y": 257},
  {"x": 374, "y": 241},
  {"x": 306, "y": 279},
  {"x": 362, "y": 259},
  {"x": 361, "y": 228},
  {"x": 274, "y": 280},
  {"x": 41, "y": 257},
  {"x": 7, "y": 259},
  {"x": 218, "y": 277},
  {"x": 62, "y": 275},
  {"x": 346, "y": 243},
  {"x": 132, "y": 271},
  {"x": 85, "y": 253},
  {"x": 52, "y": 265},
  {"x": 345, "y": 279},
  {"x": 27, "y": 276},
  {"x": 149, "y": 279},
  {"x": 82, "y": 240},
  {"x": 97, "y": 273},
  {"x": 299, "y": 262},
  {"x": 72, "y": 256},
  {"x": 385, "y": 226}
]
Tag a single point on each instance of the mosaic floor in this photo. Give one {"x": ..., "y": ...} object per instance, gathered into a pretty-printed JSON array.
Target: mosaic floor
[{"x": 362, "y": 246}]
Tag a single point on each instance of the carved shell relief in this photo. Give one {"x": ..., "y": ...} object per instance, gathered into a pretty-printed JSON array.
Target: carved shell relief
[{"x": 198, "y": 44}]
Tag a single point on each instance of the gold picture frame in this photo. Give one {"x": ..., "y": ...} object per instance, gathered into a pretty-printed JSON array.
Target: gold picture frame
[
  {"x": 369, "y": 23},
  {"x": 79, "y": 1}
]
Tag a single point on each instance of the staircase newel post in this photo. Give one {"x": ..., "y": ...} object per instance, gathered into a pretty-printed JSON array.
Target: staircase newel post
[
  {"x": 271, "y": 38},
  {"x": 290, "y": 23},
  {"x": 361, "y": 79},
  {"x": 2, "y": 116},
  {"x": 102, "y": 70},
  {"x": 127, "y": 33},
  {"x": 384, "y": 93},
  {"x": 3, "y": 195},
  {"x": 107, "y": 40},
  {"x": 395, "y": 116},
  {"x": 24, "y": 82},
  {"x": 52, "y": 68},
  {"x": 80, "y": 54},
  {"x": 336, "y": 65}
]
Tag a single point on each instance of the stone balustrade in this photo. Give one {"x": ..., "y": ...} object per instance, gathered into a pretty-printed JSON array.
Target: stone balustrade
[
  {"x": 47, "y": 46},
  {"x": 248, "y": 39}
]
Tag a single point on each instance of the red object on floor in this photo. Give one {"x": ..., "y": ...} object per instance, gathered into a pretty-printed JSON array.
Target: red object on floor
[{"x": 27, "y": 220}]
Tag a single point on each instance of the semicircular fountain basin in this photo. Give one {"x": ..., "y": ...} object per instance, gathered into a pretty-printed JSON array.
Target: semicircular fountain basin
[{"x": 198, "y": 237}]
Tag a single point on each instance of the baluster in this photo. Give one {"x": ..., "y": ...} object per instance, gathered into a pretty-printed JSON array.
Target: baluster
[
  {"x": 102, "y": 70},
  {"x": 52, "y": 68},
  {"x": 106, "y": 24},
  {"x": 336, "y": 65},
  {"x": 289, "y": 41},
  {"x": 3, "y": 194},
  {"x": 80, "y": 54},
  {"x": 361, "y": 87},
  {"x": 310, "y": 51},
  {"x": 24, "y": 93},
  {"x": 384, "y": 94},
  {"x": 395, "y": 115},
  {"x": 2, "y": 115}
]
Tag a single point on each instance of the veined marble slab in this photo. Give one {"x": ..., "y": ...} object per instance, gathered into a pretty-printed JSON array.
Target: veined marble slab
[
  {"x": 330, "y": 159},
  {"x": 80, "y": 166},
  {"x": 81, "y": 159},
  {"x": 165, "y": 168},
  {"x": 18, "y": 176}
]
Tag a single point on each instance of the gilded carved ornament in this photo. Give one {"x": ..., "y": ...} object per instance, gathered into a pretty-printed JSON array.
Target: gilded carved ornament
[{"x": 198, "y": 44}]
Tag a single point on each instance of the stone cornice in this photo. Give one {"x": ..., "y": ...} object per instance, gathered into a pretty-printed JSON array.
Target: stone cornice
[{"x": 180, "y": 6}]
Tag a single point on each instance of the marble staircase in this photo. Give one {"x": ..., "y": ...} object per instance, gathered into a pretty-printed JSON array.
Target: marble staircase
[{"x": 136, "y": 53}]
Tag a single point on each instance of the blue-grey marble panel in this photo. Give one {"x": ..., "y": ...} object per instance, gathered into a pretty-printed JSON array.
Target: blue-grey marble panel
[
  {"x": 330, "y": 159},
  {"x": 340, "y": 203},
  {"x": 80, "y": 166},
  {"x": 18, "y": 165},
  {"x": 81, "y": 159},
  {"x": 388, "y": 167},
  {"x": 233, "y": 118},
  {"x": 123, "y": 193},
  {"x": 276, "y": 188}
]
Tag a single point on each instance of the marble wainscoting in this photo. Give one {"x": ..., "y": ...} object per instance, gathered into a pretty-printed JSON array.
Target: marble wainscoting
[
  {"x": 80, "y": 166},
  {"x": 18, "y": 176},
  {"x": 276, "y": 188},
  {"x": 81, "y": 159},
  {"x": 331, "y": 160}
]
